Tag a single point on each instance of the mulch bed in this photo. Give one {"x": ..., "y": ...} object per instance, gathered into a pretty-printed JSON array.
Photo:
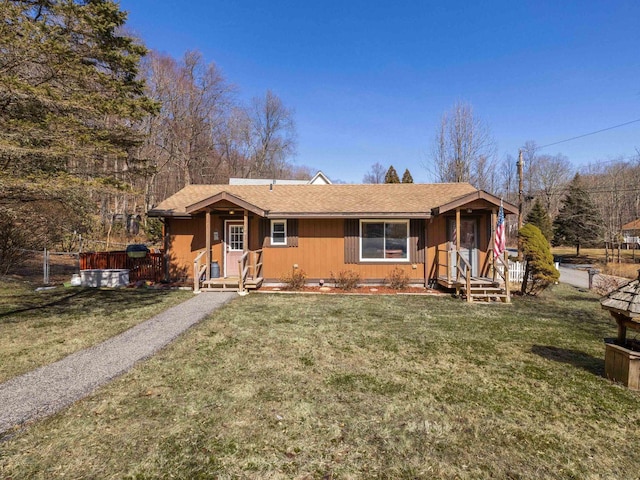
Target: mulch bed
[{"x": 364, "y": 290}]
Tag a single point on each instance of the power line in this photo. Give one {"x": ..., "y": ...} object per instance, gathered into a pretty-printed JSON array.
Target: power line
[
  {"x": 588, "y": 134},
  {"x": 588, "y": 190},
  {"x": 626, "y": 160}
]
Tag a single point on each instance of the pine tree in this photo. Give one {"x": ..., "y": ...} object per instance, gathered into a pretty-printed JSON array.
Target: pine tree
[
  {"x": 578, "y": 222},
  {"x": 69, "y": 85},
  {"x": 539, "y": 217},
  {"x": 540, "y": 271},
  {"x": 70, "y": 96},
  {"x": 391, "y": 176},
  {"x": 406, "y": 177}
]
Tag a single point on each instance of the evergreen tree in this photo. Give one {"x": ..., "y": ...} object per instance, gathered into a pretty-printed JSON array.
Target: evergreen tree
[
  {"x": 539, "y": 271},
  {"x": 578, "y": 221},
  {"x": 391, "y": 176},
  {"x": 539, "y": 217},
  {"x": 70, "y": 97},
  {"x": 406, "y": 177},
  {"x": 69, "y": 87}
]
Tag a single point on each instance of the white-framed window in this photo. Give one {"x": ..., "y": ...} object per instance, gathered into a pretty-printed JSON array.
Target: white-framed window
[
  {"x": 384, "y": 240},
  {"x": 278, "y": 232}
]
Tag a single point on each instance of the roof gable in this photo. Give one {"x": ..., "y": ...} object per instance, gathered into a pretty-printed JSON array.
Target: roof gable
[{"x": 480, "y": 199}]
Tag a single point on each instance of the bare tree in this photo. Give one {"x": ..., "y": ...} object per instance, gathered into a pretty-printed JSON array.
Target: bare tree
[
  {"x": 464, "y": 150},
  {"x": 375, "y": 174},
  {"x": 181, "y": 140},
  {"x": 508, "y": 180},
  {"x": 553, "y": 175},
  {"x": 614, "y": 188},
  {"x": 274, "y": 136}
]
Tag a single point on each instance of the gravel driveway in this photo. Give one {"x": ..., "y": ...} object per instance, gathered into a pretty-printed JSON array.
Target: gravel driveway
[{"x": 48, "y": 389}]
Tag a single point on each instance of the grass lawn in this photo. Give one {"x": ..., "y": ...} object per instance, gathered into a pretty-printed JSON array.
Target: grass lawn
[
  {"x": 317, "y": 386},
  {"x": 37, "y": 328}
]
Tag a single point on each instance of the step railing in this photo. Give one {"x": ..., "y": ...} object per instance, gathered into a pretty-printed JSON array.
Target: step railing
[
  {"x": 464, "y": 272},
  {"x": 243, "y": 272},
  {"x": 198, "y": 271}
]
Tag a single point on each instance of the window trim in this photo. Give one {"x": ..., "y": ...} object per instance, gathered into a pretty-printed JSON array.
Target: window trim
[
  {"x": 384, "y": 259},
  {"x": 283, "y": 243}
]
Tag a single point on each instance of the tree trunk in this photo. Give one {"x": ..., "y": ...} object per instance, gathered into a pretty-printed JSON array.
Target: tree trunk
[{"x": 525, "y": 279}]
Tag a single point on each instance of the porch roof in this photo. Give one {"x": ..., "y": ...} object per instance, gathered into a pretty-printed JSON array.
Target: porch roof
[
  {"x": 477, "y": 199},
  {"x": 322, "y": 201}
]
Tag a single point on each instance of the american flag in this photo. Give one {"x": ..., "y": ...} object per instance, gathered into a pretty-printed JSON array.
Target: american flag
[{"x": 501, "y": 240}]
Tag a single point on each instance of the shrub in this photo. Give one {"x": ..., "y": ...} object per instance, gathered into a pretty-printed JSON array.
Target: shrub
[
  {"x": 605, "y": 284},
  {"x": 397, "y": 279},
  {"x": 540, "y": 271},
  {"x": 294, "y": 281},
  {"x": 346, "y": 279}
]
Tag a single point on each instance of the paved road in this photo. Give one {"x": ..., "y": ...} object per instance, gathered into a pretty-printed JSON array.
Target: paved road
[
  {"x": 572, "y": 276},
  {"x": 48, "y": 389}
]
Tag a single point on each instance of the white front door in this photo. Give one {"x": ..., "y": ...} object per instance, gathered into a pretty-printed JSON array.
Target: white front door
[{"x": 233, "y": 247}]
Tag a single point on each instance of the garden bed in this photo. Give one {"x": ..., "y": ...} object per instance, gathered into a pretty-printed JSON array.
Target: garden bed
[{"x": 362, "y": 290}]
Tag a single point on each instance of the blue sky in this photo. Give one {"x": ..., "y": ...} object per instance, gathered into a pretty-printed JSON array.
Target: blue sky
[{"x": 370, "y": 80}]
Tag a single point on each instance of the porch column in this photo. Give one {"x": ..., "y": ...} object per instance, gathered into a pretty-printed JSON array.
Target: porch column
[
  {"x": 493, "y": 228},
  {"x": 245, "y": 231},
  {"x": 457, "y": 229},
  {"x": 492, "y": 242},
  {"x": 207, "y": 236}
]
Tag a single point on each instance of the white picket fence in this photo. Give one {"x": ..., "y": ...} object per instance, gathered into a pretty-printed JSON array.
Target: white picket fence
[{"x": 516, "y": 272}]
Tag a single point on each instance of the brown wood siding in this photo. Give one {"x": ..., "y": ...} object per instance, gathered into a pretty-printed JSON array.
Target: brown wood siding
[
  {"x": 292, "y": 232},
  {"x": 351, "y": 241},
  {"x": 437, "y": 239},
  {"x": 322, "y": 250},
  {"x": 264, "y": 232},
  {"x": 324, "y": 246},
  {"x": 187, "y": 238},
  {"x": 417, "y": 241}
]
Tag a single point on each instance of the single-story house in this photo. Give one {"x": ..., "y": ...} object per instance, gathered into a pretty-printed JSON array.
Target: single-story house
[{"x": 435, "y": 233}]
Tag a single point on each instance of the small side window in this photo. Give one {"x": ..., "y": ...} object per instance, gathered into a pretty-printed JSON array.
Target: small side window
[{"x": 278, "y": 232}]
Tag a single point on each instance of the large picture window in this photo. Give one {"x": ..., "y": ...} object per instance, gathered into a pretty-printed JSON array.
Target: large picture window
[
  {"x": 278, "y": 232},
  {"x": 386, "y": 241}
]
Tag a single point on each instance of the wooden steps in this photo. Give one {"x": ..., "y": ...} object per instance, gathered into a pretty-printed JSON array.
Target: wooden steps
[
  {"x": 481, "y": 288},
  {"x": 230, "y": 284}
]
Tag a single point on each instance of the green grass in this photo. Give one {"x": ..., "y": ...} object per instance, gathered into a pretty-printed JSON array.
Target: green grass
[
  {"x": 316, "y": 386},
  {"x": 37, "y": 328}
]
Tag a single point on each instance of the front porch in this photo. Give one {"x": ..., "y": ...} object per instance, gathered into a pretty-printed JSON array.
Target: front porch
[
  {"x": 455, "y": 272},
  {"x": 248, "y": 277}
]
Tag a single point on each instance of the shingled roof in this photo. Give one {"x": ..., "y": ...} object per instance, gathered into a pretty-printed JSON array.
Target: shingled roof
[
  {"x": 385, "y": 200},
  {"x": 625, "y": 300},
  {"x": 633, "y": 225}
]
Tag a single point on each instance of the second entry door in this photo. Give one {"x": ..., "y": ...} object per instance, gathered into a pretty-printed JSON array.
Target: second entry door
[{"x": 468, "y": 243}]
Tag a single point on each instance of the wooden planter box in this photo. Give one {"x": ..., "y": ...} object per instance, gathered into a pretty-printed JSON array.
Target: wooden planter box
[{"x": 622, "y": 365}]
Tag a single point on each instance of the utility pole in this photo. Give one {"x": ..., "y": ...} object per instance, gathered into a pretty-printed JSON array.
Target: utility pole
[{"x": 520, "y": 166}]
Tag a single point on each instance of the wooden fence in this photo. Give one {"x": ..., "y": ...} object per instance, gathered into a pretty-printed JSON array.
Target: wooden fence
[{"x": 149, "y": 268}]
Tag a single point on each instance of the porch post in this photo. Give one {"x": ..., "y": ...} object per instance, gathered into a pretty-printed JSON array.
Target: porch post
[
  {"x": 207, "y": 236},
  {"x": 492, "y": 242},
  {"x": 245, "y": 232},
  {"x": 457, "y": 229}
]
